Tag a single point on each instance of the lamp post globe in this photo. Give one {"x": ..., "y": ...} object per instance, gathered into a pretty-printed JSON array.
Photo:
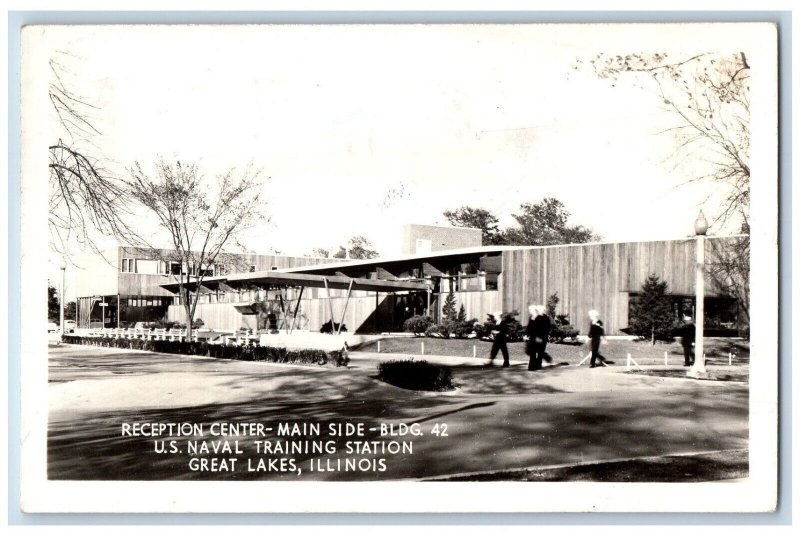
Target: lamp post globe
[{"x": 700, "y": 225}]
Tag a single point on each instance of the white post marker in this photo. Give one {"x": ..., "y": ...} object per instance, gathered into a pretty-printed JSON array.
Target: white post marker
[
  {"x": 730, "y": 359},
  {"x": 422, "y": 351},
  {"x": 474, "y": 351},
  {"x": 379, "y": 346},
  {"x": 665, "y": 359},
  {"x": 631, "y": 360}
]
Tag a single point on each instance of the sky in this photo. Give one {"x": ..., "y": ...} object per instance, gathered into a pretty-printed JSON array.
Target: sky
[{"x": 359, "y": 130}]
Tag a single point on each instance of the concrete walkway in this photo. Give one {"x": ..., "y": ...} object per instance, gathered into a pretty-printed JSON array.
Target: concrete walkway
[{"x": 497, "y": 419}]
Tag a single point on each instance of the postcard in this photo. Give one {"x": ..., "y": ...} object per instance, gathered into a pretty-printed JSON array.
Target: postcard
[{"x": 399, "y": 268}]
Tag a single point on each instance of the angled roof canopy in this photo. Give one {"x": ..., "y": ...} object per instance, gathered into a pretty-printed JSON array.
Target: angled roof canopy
[{"x": 273, "y": 279}]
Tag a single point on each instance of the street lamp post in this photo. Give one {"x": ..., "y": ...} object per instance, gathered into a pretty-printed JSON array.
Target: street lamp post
[
  {"x": 61, "y": 300},
  {"x": 698, "y": 370}
]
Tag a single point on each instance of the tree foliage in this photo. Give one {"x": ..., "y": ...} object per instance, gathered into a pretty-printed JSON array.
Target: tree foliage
[
  {"x": 200, "y": 217},
  {"x": 71, "y": 311},
  {"x": 651, "y": 313},
  {"x": 449, "y": 308},
  {"x": 358, "y": 247},
  {"x": 53, "y": 304},
  {"x": 538, "y": 224},
  {"x": 477, "y": 218},
  {"x": 544, "y": 224},
  {"x": 561, "y": 328}
]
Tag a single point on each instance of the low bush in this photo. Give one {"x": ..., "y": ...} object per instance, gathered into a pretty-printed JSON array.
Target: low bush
[
  {"x": 332, "y": 327},
  {"x": 337, "y": 358},
  {"x": 416, "y": 375},
  {"x": 417, "y": 324},
  {"x": 455, "y": 329},
  {"x": 562, "y": 330},
  {"x": 461, "y": 329},
  {"x": 516, "y": 331}
]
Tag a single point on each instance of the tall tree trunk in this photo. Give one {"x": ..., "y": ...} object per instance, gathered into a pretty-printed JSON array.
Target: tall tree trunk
[{"x": 189, "y": 320}]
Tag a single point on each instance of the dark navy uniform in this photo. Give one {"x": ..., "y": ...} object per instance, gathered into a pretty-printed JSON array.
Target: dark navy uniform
[{"x": 537, "y": 330}]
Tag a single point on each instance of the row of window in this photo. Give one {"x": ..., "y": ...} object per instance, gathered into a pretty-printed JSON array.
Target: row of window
[
  {"x": 150, "y": 302},
  {"x": 155, "y": 267}
]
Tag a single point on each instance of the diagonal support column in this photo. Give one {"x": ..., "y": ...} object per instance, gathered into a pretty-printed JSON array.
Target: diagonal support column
[
  {"x": 296, "y": 308},
  {"x": 283, "y": 310},
  {"x": 330, "y": 302},
  {"x": 346, "y": 301}
]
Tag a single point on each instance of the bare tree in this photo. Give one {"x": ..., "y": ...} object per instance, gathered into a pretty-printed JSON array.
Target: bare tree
[
  {"x": 729, "y": 269},
  {"x": 200, "y": 217},
  {"x": 84, "y": 197},
  {"x": 709, "y": 96}
]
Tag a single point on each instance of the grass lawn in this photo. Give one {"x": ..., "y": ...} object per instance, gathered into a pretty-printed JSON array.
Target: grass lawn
[{"x": 616, "y": 350}]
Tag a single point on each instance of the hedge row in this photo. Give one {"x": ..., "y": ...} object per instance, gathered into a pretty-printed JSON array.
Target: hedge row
[{"x": 335, "y": 358}]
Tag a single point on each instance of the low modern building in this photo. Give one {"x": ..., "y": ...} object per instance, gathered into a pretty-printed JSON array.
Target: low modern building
[
  {"x": 607, "y": 277},
  {"x": 123, "y": 285}
]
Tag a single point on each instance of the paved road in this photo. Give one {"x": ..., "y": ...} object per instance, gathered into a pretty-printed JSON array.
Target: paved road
[{"x": 497, "y": 419}]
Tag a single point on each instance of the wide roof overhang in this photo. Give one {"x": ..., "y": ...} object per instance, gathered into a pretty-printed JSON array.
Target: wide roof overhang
[{"x": 278, "y": 280}]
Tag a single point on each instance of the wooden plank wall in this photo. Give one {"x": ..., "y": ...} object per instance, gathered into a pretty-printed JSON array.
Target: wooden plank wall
[
  {"x": 596, "y": 276},
  {"x": 221, "y": 316},
  {"x": 311, "y": 315}
]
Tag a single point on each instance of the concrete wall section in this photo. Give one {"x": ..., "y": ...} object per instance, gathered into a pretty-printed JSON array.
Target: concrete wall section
[{"x": 440, "y": 238}]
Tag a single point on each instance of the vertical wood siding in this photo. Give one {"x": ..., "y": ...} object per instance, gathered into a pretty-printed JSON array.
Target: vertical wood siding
[{"x": 597, "y": 276}]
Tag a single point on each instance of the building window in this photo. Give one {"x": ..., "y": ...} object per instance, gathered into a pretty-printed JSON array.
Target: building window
[
  {"x": 273, "y": 268},
  {"x": 252, "y": 267},
  {"x": 129, "y": 266},
  {"x": 147, "y": 266}
]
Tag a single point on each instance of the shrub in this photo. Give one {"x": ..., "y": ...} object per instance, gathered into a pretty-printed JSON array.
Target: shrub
[
  {"x": 461, "y": 329},
  {"x": 418, "y": 324},
  {"x": 437, "y": 330},
  {"x": 516, "y": 331},
  {"x": 337, "y": 358},
  {"x": 416, "y": 375},
  {"x": 452, "y": 329},
  {"x": 449, "y": 307},
  {"x": 651, "y": 315},
  {"x": 562, "y": 330},
  {"x": 331, "y": 327}
]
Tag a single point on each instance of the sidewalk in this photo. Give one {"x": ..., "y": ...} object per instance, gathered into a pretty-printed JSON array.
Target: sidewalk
[{"x": 496, "y": 420}]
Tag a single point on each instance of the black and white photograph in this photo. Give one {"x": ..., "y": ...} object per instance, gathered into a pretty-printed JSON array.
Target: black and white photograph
[{"x": 399, "y": 267}]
